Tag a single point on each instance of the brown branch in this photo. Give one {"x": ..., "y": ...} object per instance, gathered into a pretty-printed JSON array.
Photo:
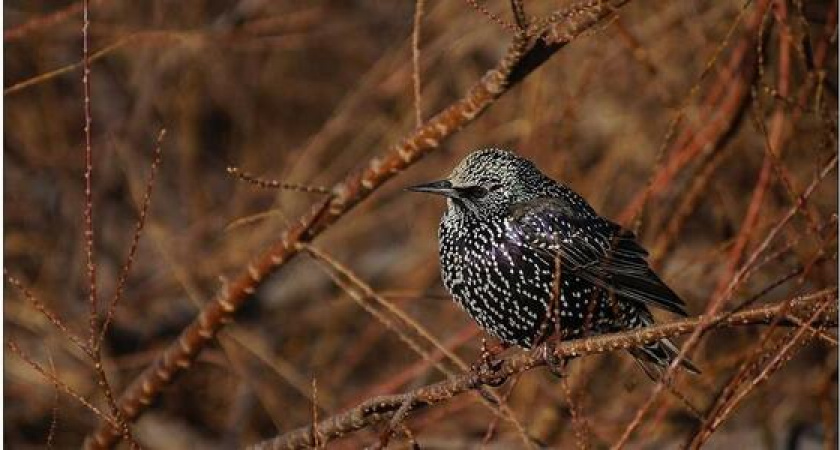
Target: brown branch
[
  {"x": 56, "y": 399},
  {"x": 135, "y": 241},
  {"x": 380, "y": 409},
  {"x": 41, "y": 22},
  {"x": 93, "y": 315},
  {"x": 51, "y": 317},
  {"x": 697, "y": 192},
  {"x": 361, "y": 291},
  {"x": 494, "y": 18},
  {"x": 145, "y": 37},
  {"x": 274, "y": 184},
  {"x": 753, "y": 213},
  {"x": 521, "y": 58},
  {"x": 93, "y": 300},
  {"x": 726, "y": 406},
  {"x": 315, "y": 436},
  {"x": 723, "y": 105},
  {"x": 716, "y": 304},
  {"x": 415, "y": 60},
  {"x": 56, "y": 381},
  {"x": 578, "y": 420}
]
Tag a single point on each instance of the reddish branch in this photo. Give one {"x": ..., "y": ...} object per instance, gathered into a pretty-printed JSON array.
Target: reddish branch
[
  {"x": 522, "y": 57},
  {"x": 750, "y": 221},
  {"x": 722, "y": 107},
  {"x": 717, "y": 301},
  {"x": 135, "y": 241},
  {"x": 42, "y": 22},
  {"x": 381, "y": 409},
  {"x": 88, "y": 205},
  {"x": 733, "y": 393}
]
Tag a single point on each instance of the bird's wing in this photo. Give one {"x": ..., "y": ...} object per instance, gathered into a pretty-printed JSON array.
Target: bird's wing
[{"x": 594, "y": 249}]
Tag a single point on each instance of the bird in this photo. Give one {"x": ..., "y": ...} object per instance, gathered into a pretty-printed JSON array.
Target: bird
[{"x": 528, "y": 258}]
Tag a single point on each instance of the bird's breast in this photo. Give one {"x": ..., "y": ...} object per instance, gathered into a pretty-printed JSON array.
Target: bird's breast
[{"x": 493, "y": 274}]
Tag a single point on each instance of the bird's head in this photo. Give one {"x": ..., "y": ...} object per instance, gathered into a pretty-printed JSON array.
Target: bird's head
[{"x": 487, "y": 182}]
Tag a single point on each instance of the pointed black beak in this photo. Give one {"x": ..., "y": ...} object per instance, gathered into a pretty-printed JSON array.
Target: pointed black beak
[{"x": 442, "y": 187}]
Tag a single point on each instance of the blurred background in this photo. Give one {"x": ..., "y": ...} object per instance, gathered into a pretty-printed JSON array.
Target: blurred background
[{"x": 307, "y": 92}]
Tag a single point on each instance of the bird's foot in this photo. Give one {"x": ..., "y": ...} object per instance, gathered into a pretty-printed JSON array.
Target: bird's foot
[
  {"x": 488, "y": 366},
  {"x": 556, "y": 365}
]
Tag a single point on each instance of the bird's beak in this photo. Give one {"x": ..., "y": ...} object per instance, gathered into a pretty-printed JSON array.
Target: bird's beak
[{"x": 442, "y": 187}]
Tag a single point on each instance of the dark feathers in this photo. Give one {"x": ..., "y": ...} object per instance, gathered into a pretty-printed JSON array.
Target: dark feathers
[
  {"x": 507, "y": 226},
  {"x": 595, "y": 249}
]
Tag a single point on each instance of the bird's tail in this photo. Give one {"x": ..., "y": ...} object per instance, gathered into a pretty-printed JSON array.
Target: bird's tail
[{"x": 655, "y": 358}]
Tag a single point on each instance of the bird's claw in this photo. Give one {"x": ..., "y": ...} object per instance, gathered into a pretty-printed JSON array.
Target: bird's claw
[
  {"x": 488, "y": 366},
  {"x": 556, "y": 365},
  {"x": 490, "y": 375}
]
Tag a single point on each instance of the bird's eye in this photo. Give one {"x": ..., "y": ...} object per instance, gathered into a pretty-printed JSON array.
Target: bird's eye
[
  {"x": 494, "y": 187},
  {"x": 475, "y": 191}
]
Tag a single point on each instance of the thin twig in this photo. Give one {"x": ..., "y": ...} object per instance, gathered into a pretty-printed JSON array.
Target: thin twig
[
  {"x": 716, "y": 303},
  {"x": 578, "y": 421},
  {"x": 316, "y": 438},
  {"x": 135, "y": 240},
  {"x": 491, "y": 429},
  {"x": 361, "y": 290},
  {"x": 93, "y": 301},
  {"x": 721, "y": 115},
  {"x": 64, "y": 387},
  {"x": 491, "y": 16},
  {"x": 519, "y": 61},
  {"x": 41, "y": 22},
  {"x": 161, "y": 37},
  {"x": 56, "y": 399},
  {"x": 772, "y": 366},
  {"x": 380, "y": 409},
  {"x": 360, "y": 296},
  {"x": 93, "y": 314},
  {"x": 396, "y": 420},
  {"x": 827, "y": 338},
  {"x": 415, "y": 60},
  {"x": 274, "y": 184},
  {"x": 51, "y": 317}
]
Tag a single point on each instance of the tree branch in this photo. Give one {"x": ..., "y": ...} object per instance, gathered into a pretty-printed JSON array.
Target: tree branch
[
  {"x": 522, "y": 57},
  {"x": 380, "y": 409}
]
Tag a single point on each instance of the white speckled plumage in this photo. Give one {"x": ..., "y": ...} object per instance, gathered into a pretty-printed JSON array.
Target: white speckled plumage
[{"x": 505, "y": 224}]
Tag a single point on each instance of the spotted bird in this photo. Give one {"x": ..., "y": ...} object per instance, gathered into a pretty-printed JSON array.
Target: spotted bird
[{"x": 527, "y": 257}]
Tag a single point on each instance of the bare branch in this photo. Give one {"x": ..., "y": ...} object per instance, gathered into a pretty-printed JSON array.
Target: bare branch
[
  {"x": 135, "y": 240},
  {"x": 521, "y": 58},
  {"x": 51, "y": 317},
  {"x": 53, "y": 378},
  {"x": 93, "y": 315},
  {"x": 377, "y": 410},
  {"x": 415, "y": 60},
  {"x": 274, "y": 184}
]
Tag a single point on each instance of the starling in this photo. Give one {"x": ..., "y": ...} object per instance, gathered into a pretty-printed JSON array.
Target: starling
[{"x": 526, "y": 257}]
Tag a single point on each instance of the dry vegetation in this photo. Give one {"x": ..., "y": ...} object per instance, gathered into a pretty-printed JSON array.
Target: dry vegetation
[{"x": 709, "y": 127}]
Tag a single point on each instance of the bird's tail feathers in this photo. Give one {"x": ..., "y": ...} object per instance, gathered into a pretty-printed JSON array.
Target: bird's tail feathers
[{"x": 655, "y": 359}]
